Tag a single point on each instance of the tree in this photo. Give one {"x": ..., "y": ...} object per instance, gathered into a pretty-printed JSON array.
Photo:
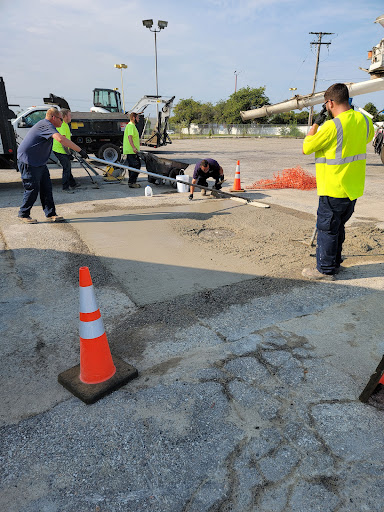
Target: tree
[
  {"x": 187, "y": 111},
  {"x": 244, "y": 99},
  {"x": 371, "y": 109}
]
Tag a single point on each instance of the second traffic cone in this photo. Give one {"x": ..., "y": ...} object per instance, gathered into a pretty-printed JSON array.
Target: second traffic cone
[
  {"x": 236, "y": 184},
  {"x": 96, "y": 364}
]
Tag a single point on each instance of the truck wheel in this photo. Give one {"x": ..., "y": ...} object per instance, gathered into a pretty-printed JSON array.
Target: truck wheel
[{"x": 109, "y": 152}]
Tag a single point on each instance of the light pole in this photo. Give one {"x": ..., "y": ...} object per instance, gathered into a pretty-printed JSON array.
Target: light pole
[
  {"x": 236, "y": 73},
  {"x": 121, "y": 67},
  {"x": 161, "y": 24}
]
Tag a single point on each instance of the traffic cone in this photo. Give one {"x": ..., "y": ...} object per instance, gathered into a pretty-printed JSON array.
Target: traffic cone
[
  {"x": 96, "y": 363},
  {"x": 97, "y": 374},
  {"x": 236, "y": 184}
]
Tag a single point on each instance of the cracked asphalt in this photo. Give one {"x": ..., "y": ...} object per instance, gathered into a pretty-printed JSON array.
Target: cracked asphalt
[{"x": 247, "y": 395}]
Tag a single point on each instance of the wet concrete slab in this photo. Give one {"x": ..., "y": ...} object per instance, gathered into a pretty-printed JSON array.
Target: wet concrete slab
[{"x": 152, "y": 261}]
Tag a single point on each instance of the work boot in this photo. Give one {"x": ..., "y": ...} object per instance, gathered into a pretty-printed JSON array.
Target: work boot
[
  {"x": 203, "y": 192},
  {"x": 314, "y": 275},
  {"x": 28, "y": 220},
  {"x": 55, "y": 218},
  {"x": 134, "y": 185}
]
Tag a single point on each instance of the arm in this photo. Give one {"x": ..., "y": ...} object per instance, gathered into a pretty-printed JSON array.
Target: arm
[
  {"x": 130, "y": 138},
  {"x": 192, "y": 188},
  {"x": 312, "y": 131},
  {"x": 66, "y": 142}
]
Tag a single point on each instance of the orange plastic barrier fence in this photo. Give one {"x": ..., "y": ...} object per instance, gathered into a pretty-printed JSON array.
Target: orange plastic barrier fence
[{"x": 296, "y": 177}]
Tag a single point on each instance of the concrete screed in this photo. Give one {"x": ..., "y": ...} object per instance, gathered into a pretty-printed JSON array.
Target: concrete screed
[{"x": 248, "y": 375}]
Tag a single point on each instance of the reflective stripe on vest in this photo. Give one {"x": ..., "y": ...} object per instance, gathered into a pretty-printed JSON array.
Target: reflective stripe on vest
[{"x": 338, "y": 160}]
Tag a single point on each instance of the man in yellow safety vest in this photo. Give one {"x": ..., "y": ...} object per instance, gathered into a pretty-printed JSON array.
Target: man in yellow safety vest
[{"x": 340, "y": 154}]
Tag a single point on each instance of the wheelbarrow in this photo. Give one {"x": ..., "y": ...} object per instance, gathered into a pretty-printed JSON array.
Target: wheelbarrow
[{"x": 164, "y": 166}]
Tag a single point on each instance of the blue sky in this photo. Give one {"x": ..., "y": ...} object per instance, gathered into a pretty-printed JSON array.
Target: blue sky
[{"x": 70, "y": 47}]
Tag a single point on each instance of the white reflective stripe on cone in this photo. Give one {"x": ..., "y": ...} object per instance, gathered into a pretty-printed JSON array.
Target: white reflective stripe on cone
[
  {"x": 88, "y": 302},
  {"x": 94, "y": 329}
]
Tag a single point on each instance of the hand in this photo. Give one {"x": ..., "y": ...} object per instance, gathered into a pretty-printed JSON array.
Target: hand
[
  {"x": 322, "y": 116},
  {"x": 221, "y": 177},
  {"x": 83, "y": 153},
  {"x": 190, "y": 197},
  {"x": 217, "y": 186}
]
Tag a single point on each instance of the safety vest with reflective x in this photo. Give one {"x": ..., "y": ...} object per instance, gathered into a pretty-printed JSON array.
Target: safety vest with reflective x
[{"x": 340, "y": 148}]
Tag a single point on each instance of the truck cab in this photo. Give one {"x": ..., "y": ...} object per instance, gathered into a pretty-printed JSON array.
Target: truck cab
[
  {"x": 106, "y": 100},
  {"x": 27, "y": 119}
]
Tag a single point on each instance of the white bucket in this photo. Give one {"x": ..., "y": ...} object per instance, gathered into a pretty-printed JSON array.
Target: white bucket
[{"x": 181, "y": 187}]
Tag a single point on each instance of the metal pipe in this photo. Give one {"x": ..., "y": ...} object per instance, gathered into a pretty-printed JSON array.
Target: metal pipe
[
  {"x": 299, "y": 102},
  {"x": 219, "y": 192}
]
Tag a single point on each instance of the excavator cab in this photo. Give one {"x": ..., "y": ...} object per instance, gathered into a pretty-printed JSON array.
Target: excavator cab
[{"x": 106, "y": 100}]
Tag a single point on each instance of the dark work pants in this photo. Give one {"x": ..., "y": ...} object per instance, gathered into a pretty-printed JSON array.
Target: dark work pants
[
  {"x": 332, "y": 214},
  {"x": 202, "y": 180},
  {"x": 36, "y": 180},
  {"x": 133, "y": 161},
  {"x": 68, "y": 179}
]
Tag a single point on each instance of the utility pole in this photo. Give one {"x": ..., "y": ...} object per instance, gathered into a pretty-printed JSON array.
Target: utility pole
[{"x": 318, "y": 43}]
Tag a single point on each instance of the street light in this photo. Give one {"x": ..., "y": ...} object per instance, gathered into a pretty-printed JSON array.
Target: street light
[
  {"x": 236, "y": 73},
  {"x": 161, "y": 25},
  {"x": 121, "y": 67}
]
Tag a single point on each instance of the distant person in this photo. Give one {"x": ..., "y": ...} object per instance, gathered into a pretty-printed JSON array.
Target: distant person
[
  {"x": 68, "y": 181},
  {"x": 340, "y": 154},
  {"x": 32, "y": 158},
  {"x": 131, "y": 148},
  {"x": 205, "y": 169}
]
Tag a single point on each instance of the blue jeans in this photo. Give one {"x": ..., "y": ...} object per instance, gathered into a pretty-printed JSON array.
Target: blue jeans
[
  {"x": 65, "y": 162},
  {"x": 36, "y": 180},
  {"x": 332, "y": 214}
]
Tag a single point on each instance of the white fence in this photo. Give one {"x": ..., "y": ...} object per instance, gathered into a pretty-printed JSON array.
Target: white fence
[{"x": 242, "y": 130}]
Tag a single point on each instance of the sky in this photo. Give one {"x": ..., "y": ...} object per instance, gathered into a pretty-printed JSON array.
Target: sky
[{"x": 70, "y": 47}]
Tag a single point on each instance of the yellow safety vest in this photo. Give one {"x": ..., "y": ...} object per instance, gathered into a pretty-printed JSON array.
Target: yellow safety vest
[
  {"x": 340, "y": 148},
  {"x": 64, "y": 130}
]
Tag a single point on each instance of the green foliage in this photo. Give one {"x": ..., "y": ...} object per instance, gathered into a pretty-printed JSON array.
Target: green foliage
[
  {"x": 371, "y": 109},
  {"x": 189, "y": 111}
]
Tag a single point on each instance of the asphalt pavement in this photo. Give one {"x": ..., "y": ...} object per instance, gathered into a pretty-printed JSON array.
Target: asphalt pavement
[{"x": 247, "y": 395}]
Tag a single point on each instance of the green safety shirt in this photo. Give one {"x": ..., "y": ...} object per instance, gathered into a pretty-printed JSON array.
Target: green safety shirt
[
  {"x": 340, "y": 147},
  {"x": 130, "y": 129},
  {"x": 64, "y": 130}
]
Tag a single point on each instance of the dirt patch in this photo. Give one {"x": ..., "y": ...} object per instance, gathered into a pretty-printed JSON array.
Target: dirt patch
[{"x": 274, "y": 237}]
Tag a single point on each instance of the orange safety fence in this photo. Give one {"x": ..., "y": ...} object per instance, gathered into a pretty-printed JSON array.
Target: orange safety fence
[{"x": 296, "y": 177}]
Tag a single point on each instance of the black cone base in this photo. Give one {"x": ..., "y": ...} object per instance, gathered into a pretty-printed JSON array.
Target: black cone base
[{"x": 91, "y": 393}]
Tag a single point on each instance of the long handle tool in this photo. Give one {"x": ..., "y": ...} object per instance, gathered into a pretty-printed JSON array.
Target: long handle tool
[
  {"x": 85, "y": 165},
  {"x": 217, "y": 193}
]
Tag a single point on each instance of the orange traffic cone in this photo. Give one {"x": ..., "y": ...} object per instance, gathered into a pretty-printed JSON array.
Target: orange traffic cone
[
  {"x": 236, "y": 184},
  {"x": 97, "y": 374},
  {"x": 96, "y": 363}
]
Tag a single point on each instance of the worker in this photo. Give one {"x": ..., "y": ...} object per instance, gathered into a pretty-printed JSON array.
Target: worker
[
  {"x": 207, "y": 168},
  {"x": 131, "y": 148},
  {"x": 32, "y": 158},
  {"x": 340, "y": 156},
  {"x": 68, "y": 181}
]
